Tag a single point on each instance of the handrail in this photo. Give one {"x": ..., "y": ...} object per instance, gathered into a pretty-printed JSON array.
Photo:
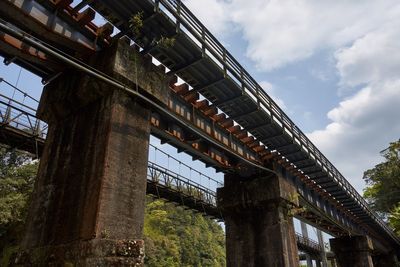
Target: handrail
[
  {"x": 19, "y": 90},
  {"x": 218, "y": 183},
  {"x": 19, "y": 118},
  {"x": 182, "y": 184},
  {"x": 308, "y": 242}
]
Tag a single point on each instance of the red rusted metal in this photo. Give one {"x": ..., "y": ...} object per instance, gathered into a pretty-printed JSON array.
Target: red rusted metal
[
  {"x": 86, "y": 16},
  {"x": 61, "y": 3},
  {"x": 21, "y": 46}
]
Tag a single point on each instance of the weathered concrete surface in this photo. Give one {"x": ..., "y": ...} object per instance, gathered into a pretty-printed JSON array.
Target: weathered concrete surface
[
  {"x": 88, "y": 203},
  {"x": 352, "y": 251},
  {"x": 386, "y": 260},
  {"x": 258, "y": 221},
  {"x": 93, "y": 252},
  {"x": 128, "y": 66}
]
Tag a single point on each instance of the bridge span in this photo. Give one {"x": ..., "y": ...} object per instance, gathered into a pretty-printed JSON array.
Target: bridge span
[{"x": 104, "y": 97}]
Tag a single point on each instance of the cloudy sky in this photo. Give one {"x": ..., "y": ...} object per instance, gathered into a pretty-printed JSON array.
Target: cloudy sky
[{"x": 334, "y": 66}]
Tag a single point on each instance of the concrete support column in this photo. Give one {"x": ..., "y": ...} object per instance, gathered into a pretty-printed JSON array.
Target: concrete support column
[
  {"x": 309, "y": 260},
  {"x": 324, "y": 261},
  {"x": 259, "y": 225},
  {"x": 352, "y": 251},
  {"x": 304, "y": 232},
  {"x": 89, "y": 198},
  {"x": 386, "y": 260}
]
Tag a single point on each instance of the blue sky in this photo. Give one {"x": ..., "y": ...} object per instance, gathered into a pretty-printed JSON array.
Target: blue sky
[{"x": 334, "y": 67}]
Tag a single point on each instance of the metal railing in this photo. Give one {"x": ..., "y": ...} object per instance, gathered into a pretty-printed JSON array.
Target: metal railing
[
  {"x": 305, "y": 241},
  {"x": 160, "y": 157},
  {"x": 180, "y": 184},
  {"x": 21, "y": 116}
]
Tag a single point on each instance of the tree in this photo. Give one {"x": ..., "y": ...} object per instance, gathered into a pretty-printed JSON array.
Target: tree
[
  {"x": 383, "y": 190},
  {"x": 174, "y": 236},
  {"x": 394, "y": 219},
  {"x": 17, "y": 174},
  {"x": 178, "y": 237}
]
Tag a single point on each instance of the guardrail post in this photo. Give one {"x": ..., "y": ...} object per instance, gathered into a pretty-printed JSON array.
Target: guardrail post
[
  {"x": 242, "y": 80},
  {"x": 224, "y": 62},
  {"x": 7, "y": 114},
  {"x": 157, "y": 6},
  {"x": 203, "y": 41},
  {"x": 36, "y": 128},
  {"x": 178, "y": 11}
]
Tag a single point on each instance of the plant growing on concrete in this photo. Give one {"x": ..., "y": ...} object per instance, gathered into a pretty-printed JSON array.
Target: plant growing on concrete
[
  {"x": 292, "y": 208},
  {"x": 166, "y": 42},
  {"x": 136, "y": 23},
  {"x": 105, "y": 234}
]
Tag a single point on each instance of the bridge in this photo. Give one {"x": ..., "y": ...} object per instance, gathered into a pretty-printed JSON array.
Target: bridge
[
  {"x": 102, "y": 88},
  {"x": 20, "y": 129}
]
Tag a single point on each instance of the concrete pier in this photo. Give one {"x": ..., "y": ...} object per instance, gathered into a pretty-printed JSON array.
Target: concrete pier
[
  {"x": 352, "y": 251},
  {"x": 89, "y": 198},
  {"x": 258, "y": 221},
  {"x": 304, "y": 232}
]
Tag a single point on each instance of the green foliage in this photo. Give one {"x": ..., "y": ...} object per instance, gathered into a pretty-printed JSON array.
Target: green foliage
[
  {"x": 136, "y": 23},
  {"x": 17, "y": 174},
  {"x": 178, "y": 237},
  {"x": 383, "y": 191},
  {"x": 15, "y": 189},
  {"x": 173, "y": 235},
  {"x": 7, "y": 253},
  {"x": 394, "y": 219},
  {"x": 166, "y": 42}
]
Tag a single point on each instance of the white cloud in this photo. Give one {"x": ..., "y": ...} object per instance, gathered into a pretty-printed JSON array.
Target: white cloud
[
  {"x": 377, "y": 57},
  {"x": 271, "y": 91},
  {"x": 359, "y": 128},
  {"x": 282, "y": 32},
  {"x": 366, "y": 37},
  {"x": 212, "y": 13},
  {"x": 279, "y": 32},
  {"x": 363, "y": 124},
  {"x": 321, "y": 75}
]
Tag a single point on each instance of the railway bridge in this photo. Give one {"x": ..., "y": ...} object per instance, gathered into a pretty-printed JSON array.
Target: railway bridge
[
  {"x": 21, "y": 130},
  {"x": 104, "y": 97}
]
